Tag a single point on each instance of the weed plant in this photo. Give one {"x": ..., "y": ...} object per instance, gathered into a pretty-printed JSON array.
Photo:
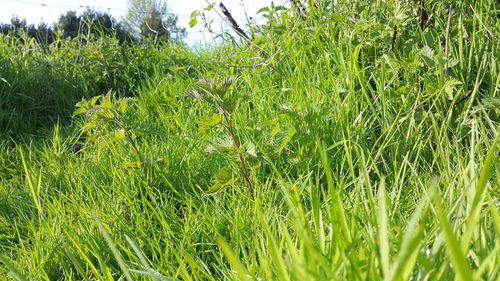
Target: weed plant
[{"x": 375, "y": 153}]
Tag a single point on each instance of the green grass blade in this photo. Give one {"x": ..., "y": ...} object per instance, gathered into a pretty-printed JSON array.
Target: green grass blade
[
  {"x": 494, "y": 214},
  {"x": 277, "y": 258},
  {"x": 383, "y": 234},
  {"x": 477, "y": 203},
  {"x": 412, "y": 239},
  {"x": 76, "y": 262},
  {"x": 336, "y": 195},
  {"x": 112, "y": 246},
  {"x": 241, "y": 271},
  {"x": 81, "y": 251},
  {"x": 460, "y": 264},
  {"x": 14, "y": 272},
  {"x": 34, "y": 189}
]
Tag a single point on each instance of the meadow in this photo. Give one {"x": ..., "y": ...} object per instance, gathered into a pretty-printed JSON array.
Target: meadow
[{"x": 349, "y": 141}]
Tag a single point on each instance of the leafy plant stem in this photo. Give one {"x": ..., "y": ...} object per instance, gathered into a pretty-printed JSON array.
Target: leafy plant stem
[
  {"x": 131, "y": 141},
  {"x": 241, "y": 158}
]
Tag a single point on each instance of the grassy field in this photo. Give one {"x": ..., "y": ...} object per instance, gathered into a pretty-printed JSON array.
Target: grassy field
[{"x": 356, "y": 142}]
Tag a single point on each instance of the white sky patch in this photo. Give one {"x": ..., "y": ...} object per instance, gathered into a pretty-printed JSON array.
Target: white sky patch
[{"x": 48, "y": 11}]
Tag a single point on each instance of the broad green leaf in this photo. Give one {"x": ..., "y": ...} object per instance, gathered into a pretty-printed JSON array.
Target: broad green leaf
[
  {"x": 212, "y": 96},
  {"x": 193, "y": 21},
  {"x": 84, "y": 106},
  {"x": 430, "y": 38},
  {"x": 269, "y": 122},
  {"x": 399, "y": 12},
  {"x": 105, "y": 114},
  {"x": 196, "y": 13},
  {"x": 194, "y": 95},
  {"x": 276, "y": 130},
  {"x": 83, "y": 103},
  {"x": 452, "y": 62},
  {"x": 124, "y": 104},
  {"x": 212, "y": 120},
  {"x": 94, "y": 100},
  {"x": 106, "y": 101},
  {"x": 403, "y": 90},
  {"x": 132, "y": 165},
  {"x": 79, "y": 110},
  {"x": 215, "y": 90},
  {"x": 427, "y": 55},
  {"x": 222, "y": 144},
  {"x": 250, "y": 149},
  {"x": 420, "y": 115},
  {"x": 115, "y": 136},
  {"x": 261, "y": 10},
  {"x": 449, "y": 87},
  {"x": 287, "y": 138},
  {"x": 223, "y": 178},
  {"x": 488, "y": 103},
  {"x": 89, "y": 126},
  {"x": 207, "y": 123}
]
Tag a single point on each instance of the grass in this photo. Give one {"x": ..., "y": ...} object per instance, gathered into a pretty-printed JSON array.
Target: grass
[{"x": 367, "y": 161}]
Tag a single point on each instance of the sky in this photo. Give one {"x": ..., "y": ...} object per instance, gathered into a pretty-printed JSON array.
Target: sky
[{"x": 35, "y": 11}]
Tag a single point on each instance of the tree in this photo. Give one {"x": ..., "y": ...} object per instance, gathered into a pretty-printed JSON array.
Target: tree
[
  {"x": 69, "y": 24},
  {"x": 103, "y": 23},
  {"x": 19, "y": 28},
  {"x": 151, "y": 19},
  {"x": 92, "y": 22},
  {"x": 44, "y": 33}
]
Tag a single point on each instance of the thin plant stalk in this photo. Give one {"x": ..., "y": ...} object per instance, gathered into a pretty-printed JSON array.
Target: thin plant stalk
[
  {"x": 447, "y": 41},
  {"x": 129, "y": 138},
  {"x": 131, "y": 141},
  {"x": 241, "y": 157}
]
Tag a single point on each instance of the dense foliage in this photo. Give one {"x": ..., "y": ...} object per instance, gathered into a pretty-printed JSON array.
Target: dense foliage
[
  {"x": 19, "y": 27},
  {"x": 152, "y": 20},
  {"x": 368, "y": 131},
  {"x": 69, "y": 25}
]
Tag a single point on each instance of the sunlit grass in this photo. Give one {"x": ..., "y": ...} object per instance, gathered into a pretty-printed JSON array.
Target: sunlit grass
[{"x": 366, "y": 162}]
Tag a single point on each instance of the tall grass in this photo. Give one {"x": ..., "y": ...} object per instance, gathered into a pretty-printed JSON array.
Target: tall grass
[
  {"x": 368, "y": 161},
  {"x": 41, "y": 83}
]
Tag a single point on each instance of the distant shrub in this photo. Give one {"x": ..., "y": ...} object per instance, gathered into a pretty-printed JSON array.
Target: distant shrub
[{"x": 40, "y": 83}]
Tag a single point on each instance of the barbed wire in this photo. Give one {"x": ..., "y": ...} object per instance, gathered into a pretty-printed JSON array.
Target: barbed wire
[
  {"x": 43, "y": 4},
  {"x": 102, "y": 8}
]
